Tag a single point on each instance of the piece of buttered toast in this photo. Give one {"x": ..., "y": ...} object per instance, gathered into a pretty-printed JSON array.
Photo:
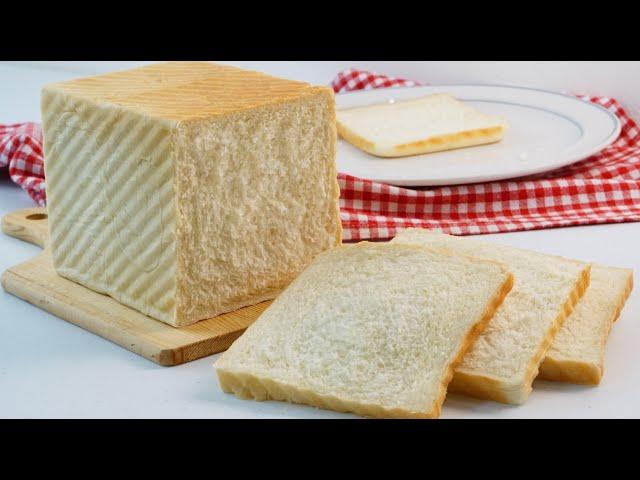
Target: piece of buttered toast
[
  {"x": 503, "y": 362},
  {"x": 374, "y": 329},
  {"x": 420, "y": 125}
]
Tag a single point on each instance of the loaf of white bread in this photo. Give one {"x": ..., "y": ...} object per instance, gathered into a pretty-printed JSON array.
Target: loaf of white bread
[
  {"x": 503, "y": 362},
  {"x": 374, "y": 329},
  {"x": 186, "y": 190},
  {"x": 418, "y": 125}
]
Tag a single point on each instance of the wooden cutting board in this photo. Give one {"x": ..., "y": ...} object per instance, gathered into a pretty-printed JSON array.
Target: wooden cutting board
[{"x": 37, "y": 282}]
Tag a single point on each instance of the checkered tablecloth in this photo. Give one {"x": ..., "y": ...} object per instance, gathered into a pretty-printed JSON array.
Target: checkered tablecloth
[
  {"x": 21, "y": 151},
  {"x": 604, "y": 188}
]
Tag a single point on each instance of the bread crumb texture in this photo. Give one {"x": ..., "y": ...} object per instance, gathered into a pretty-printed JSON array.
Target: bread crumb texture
[
  {"x": 504, "y": 360},
  {"x": 371, "y": 328}
]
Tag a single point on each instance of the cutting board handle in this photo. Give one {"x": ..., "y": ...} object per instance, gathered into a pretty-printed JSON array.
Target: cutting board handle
[{"x": 29, "y": 224}]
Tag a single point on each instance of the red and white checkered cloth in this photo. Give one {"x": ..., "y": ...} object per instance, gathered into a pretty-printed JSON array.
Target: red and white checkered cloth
[
  {"x": 604, "y": 188},
  {"x": 21, "y": 151}
]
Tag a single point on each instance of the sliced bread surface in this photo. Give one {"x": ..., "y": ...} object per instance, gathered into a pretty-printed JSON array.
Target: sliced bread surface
[
  {"x": 504, "y": 360},
  {"x": 421, "y": 125},
  {"x": 577, "y": 352},
  {"x": 373, "y": 329}
]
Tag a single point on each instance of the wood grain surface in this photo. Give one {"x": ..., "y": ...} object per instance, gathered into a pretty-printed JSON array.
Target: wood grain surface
[{"x": 37, "y": 282}]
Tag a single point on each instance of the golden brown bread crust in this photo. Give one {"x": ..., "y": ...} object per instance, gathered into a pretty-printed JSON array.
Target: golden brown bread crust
[
  {"x": 570, "y": 371},
  {"x": 335, "y": 193},
  {"x": 250, "y": 387},
  {"x": 578, "y": 372},
  {"x": 432, "y": 144},
  {"x": 499, "y": 390},
  {"x": 186, "y": 90}
]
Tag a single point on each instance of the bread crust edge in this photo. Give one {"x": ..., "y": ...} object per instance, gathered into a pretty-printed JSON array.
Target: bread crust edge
[
  {"x": 575, "y": 370},
  {"x": 438, "y": 143},
  {"x": 503, "y": 390},
  {"x": 471, "y": 337}
]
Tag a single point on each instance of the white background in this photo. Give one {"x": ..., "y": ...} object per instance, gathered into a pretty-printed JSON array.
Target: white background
[
  {"x": 615, "y": 79},
  {"x": 50, "y": 368}
]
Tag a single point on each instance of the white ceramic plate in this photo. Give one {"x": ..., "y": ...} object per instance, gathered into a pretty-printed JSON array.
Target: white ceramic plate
[{"x": 547, "y": 130}]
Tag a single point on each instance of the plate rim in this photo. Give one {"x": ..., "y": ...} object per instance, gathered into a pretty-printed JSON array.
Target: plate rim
[{"x": 611, "y": 138}]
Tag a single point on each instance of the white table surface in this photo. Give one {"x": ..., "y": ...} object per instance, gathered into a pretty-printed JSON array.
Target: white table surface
[{"x": 50, "y": 368}]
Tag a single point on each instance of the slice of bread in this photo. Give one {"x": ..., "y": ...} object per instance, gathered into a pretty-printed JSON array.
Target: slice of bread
[
  {"x": 577, "y": 353},
  {"x": 373, "y": 329},
  {"x": 504, "y": 360},
  {"x": 420, "y": 125}
]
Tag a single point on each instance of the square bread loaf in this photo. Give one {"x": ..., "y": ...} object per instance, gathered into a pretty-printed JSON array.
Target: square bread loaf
[
  {"x": 577, "y": 352},
  {"x": 503, "y": 362},
  {"x": 420, "y": 125},
  {"x": 189, "y": 189},
  {"x": 373, "y": 329}
]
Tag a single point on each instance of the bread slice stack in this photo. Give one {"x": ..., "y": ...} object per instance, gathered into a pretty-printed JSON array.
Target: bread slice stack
[
  {"x": 504, "y": 361},
  {"x": 384, "y": 330},
  {"x": 571, "y": 350}
]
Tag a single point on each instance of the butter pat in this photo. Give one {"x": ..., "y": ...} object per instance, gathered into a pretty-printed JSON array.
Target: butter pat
[{"x": 187, "y": 190}]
